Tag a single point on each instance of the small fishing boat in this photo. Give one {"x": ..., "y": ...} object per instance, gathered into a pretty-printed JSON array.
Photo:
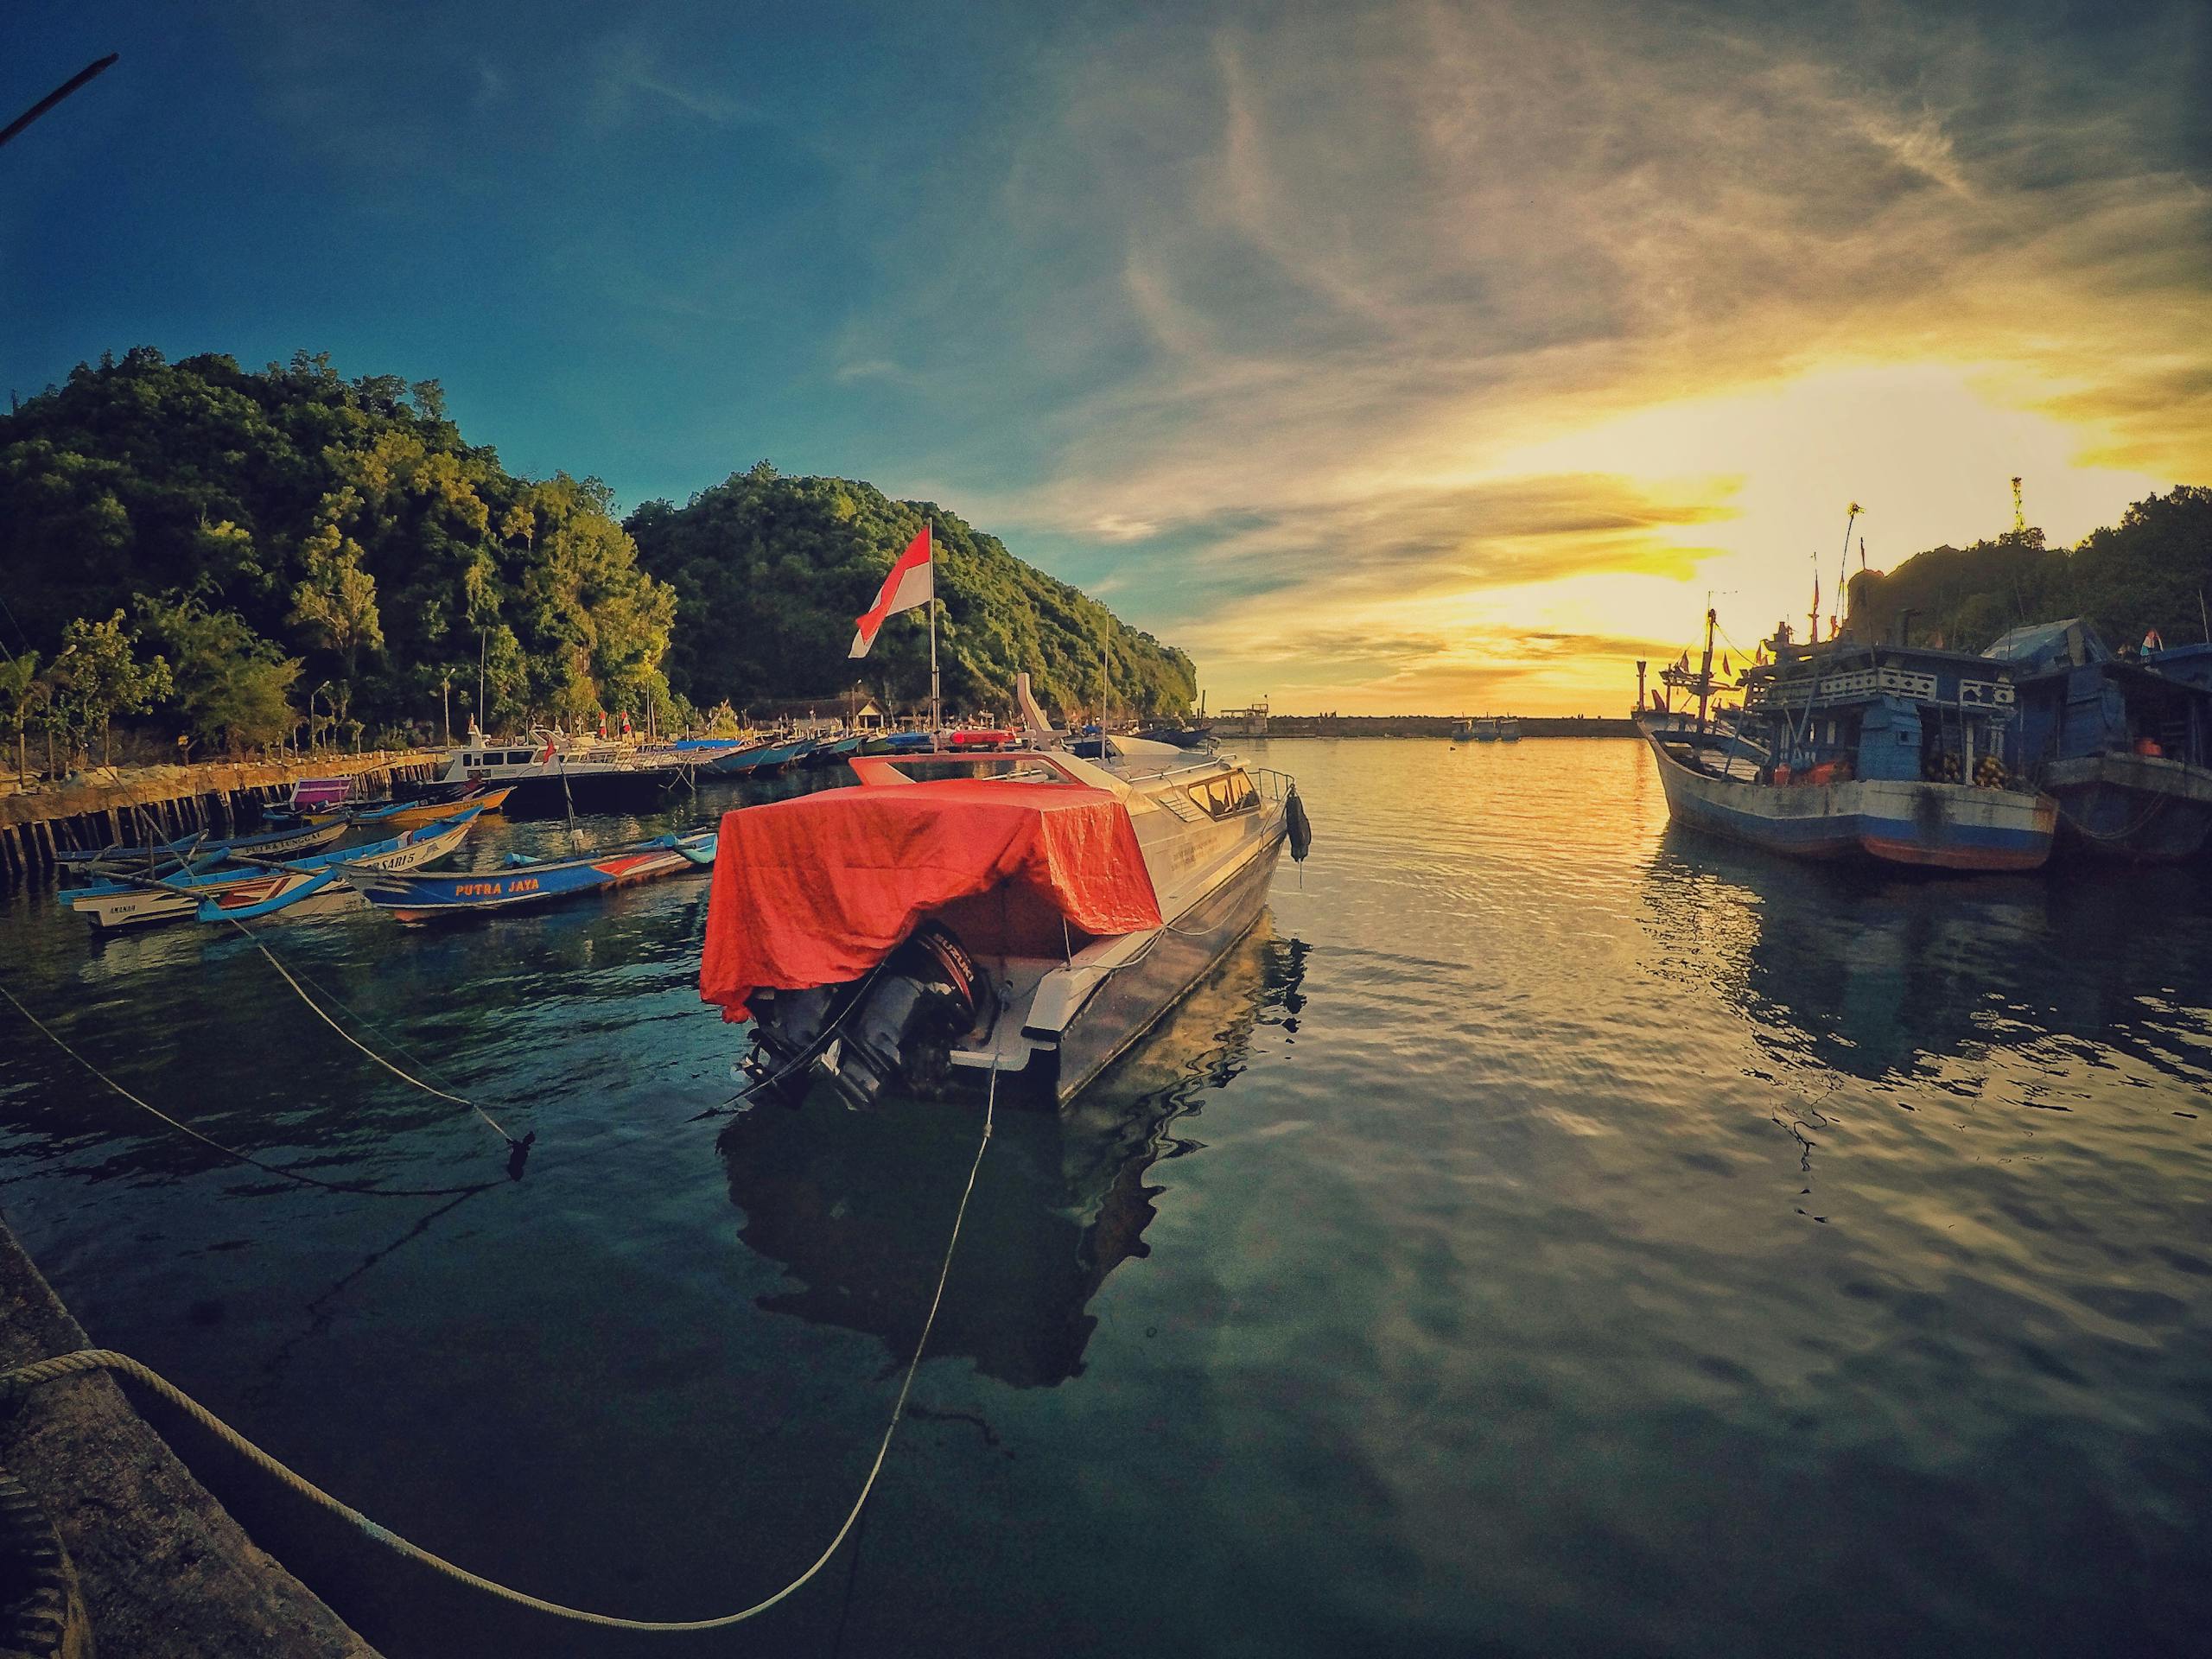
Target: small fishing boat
[
  {"x": 2125, "y": 750},
  {"x": 1028, "y": 917},
  {"x": 1508, "y": 730},
  {"x": 273, "y": 843},
  {"x": 981, "y": 739},
  {"x": 761, "y": 760},
  {"x": 1898, "y": 753},
  {"x": 1183, "y": 737},
  {"x": 415, "y": 896},
  {"x": 413, "y": 849},
  {"x": 832, "y": 752},
  {"x": 412, "y": 814},
  {"x": 899, "y": 743},
  {"x": 124, "y": 900}
]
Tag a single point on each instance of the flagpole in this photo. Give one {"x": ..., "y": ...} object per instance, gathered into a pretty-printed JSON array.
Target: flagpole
[{"x": 936, "y": 720}]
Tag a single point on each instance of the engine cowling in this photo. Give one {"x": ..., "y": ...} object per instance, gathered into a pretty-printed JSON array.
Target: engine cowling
[{"x": 926, "y": 994}]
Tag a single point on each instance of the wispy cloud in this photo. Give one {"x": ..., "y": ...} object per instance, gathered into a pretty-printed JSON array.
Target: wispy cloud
[{"x": 1371, "y": 254}]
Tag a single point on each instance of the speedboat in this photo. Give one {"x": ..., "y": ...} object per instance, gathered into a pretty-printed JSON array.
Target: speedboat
[{"x": 1011, "y": 920}]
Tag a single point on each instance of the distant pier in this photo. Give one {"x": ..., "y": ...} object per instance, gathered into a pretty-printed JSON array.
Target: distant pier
[
  {"x": 132, "y": 805},
  {"x": 1439, "y": 726}
]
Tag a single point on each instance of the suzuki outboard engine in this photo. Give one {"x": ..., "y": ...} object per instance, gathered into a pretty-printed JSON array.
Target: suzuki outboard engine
[{"x": 926, "y": 994}]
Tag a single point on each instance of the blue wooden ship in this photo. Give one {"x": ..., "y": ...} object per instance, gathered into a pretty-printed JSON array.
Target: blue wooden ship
[
  {"x": 1901, "y": 753},
  {"x": 2124, "y": 747}
]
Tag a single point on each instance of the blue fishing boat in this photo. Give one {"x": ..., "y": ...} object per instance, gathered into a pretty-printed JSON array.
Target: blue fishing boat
[
  {"x": 762, "y": 760},
  {"x": 2124, "y": 749},
  {"x": 899, "y": 743},
  {"x": 1898, "y": 753},
  {"x": 415, "y": 896},
  {"x": 122, "y": 900},
  {"x": 829, "y": 753},
  {"x": 273, "y": 843}
]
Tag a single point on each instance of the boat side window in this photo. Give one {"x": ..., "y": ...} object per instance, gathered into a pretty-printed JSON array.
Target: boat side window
[{"x": 1226, "y": 796}]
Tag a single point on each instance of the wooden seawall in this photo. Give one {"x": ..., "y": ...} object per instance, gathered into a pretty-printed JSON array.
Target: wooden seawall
[{"x": 109, "y": 807}]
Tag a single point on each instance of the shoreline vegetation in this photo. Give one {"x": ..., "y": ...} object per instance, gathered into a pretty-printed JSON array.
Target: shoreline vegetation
[
  {"x": 197, "y": 560},
  {"x": 249, "y": 558}
]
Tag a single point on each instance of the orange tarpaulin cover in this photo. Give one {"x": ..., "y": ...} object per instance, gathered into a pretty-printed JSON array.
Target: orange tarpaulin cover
[{"x": 818, "y": 890}]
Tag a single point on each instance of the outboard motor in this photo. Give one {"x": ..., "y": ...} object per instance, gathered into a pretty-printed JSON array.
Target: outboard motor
[{"x": 926, "y": 994}]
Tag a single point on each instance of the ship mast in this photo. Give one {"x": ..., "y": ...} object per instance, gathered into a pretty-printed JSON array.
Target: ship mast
[{"x": 1705, "y": 669}]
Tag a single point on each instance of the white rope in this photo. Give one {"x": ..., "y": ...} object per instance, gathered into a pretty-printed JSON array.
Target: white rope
[
  {"x": 72, "y": 1364},
  {"x": 323, "y": 1014},
  {"x": 56, "y": 1039}
]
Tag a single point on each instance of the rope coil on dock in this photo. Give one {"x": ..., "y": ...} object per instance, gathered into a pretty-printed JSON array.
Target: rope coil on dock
[{"x": 14, "y": 1384}]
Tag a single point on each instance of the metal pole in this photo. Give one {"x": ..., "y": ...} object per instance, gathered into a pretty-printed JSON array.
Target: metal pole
[
  {"x": 936, "y": 719},
  {"x": 54, "y": 96}
]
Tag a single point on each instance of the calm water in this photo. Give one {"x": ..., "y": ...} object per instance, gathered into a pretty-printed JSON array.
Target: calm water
[{"x": 1548, "y": 1234}]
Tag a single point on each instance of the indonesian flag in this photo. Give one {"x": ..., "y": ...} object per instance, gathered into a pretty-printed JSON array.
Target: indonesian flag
[{"x": 912, "y": 582}]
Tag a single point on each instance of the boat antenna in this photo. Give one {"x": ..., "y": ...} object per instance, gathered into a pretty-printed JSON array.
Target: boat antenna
[{"x": 1843, "y": 559}]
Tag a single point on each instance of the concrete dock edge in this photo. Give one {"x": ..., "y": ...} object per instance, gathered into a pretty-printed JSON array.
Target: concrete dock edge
[{"x": 164, "y": 1569}]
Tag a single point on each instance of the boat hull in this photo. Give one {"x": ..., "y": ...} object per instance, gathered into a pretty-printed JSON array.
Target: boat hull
[
  {"x": 767, "y": 759},
  {"x": 2134, "y": 808},
  {"x": 416, "y": 897},
  {"x": 425, "y": 812},
  {"x": 1134, "y": 999},
  {"x": 1935, "y": 826}
]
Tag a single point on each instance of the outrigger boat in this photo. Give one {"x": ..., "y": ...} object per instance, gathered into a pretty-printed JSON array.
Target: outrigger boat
[
  {"x": 274, "y": 843},
  {"x": 223, "y": 895},
  {"x": 445, "y": 801},
  {"x": 957, "y": 917},
  {"x": 1895, "y": 752},
  {"x": 416, "y": 897}
]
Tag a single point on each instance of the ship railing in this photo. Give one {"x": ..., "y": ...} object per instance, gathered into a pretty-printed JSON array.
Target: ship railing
[{"x": 1274, "y": 786}]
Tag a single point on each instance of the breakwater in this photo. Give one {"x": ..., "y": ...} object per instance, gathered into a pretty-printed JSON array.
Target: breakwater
[
  {"x": 1439, "y": 726},
  {"x": 109, "y": 807}
]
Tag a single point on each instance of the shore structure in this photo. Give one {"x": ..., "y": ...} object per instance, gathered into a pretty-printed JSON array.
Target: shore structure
[
  {"x": 159, "y": 1566},
  {"x": 114, "y": 807}
]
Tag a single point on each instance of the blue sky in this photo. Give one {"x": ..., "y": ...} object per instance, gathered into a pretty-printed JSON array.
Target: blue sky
[{"x": 1387, "y": 356}]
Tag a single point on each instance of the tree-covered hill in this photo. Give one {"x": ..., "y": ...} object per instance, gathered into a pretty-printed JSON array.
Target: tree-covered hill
[
  {"x": 312, "y": 530},
  {"x": 2153, "y": 569},
  {"x": 769, "y": 573},
  {"x": 293, "y": 546}
]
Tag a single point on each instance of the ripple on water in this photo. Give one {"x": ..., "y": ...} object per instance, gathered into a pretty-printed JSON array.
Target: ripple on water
[{"x": 1549, "y": 1233}]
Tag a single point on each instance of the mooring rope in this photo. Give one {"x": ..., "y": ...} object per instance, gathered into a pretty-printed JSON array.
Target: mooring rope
[
  {"x": 323, "y": 1014},
  {"x": 60, "y": 1042},
  {"x": 24, "y": 1378},
  {"x": 812, "y": 1051}
]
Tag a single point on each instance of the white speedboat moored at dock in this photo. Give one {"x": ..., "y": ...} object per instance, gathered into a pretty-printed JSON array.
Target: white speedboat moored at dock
[{"x": 1029, "y": 915}]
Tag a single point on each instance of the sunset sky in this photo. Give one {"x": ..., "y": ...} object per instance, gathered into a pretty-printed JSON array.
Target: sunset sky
[{"x": 1407, "y": 357}]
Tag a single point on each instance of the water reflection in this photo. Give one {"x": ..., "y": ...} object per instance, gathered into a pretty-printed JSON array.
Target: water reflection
[
  {"x": 855, "y": 1206},
  {"x": 1878, "y": 975}
]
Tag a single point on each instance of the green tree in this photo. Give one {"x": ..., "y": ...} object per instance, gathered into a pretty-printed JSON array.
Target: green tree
[
  {"x": 21, "y": 693},
  {"x": 232, "y": 687},
  {"x": 97, "y": 677},
  {"x": 335, "y": 603}
]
